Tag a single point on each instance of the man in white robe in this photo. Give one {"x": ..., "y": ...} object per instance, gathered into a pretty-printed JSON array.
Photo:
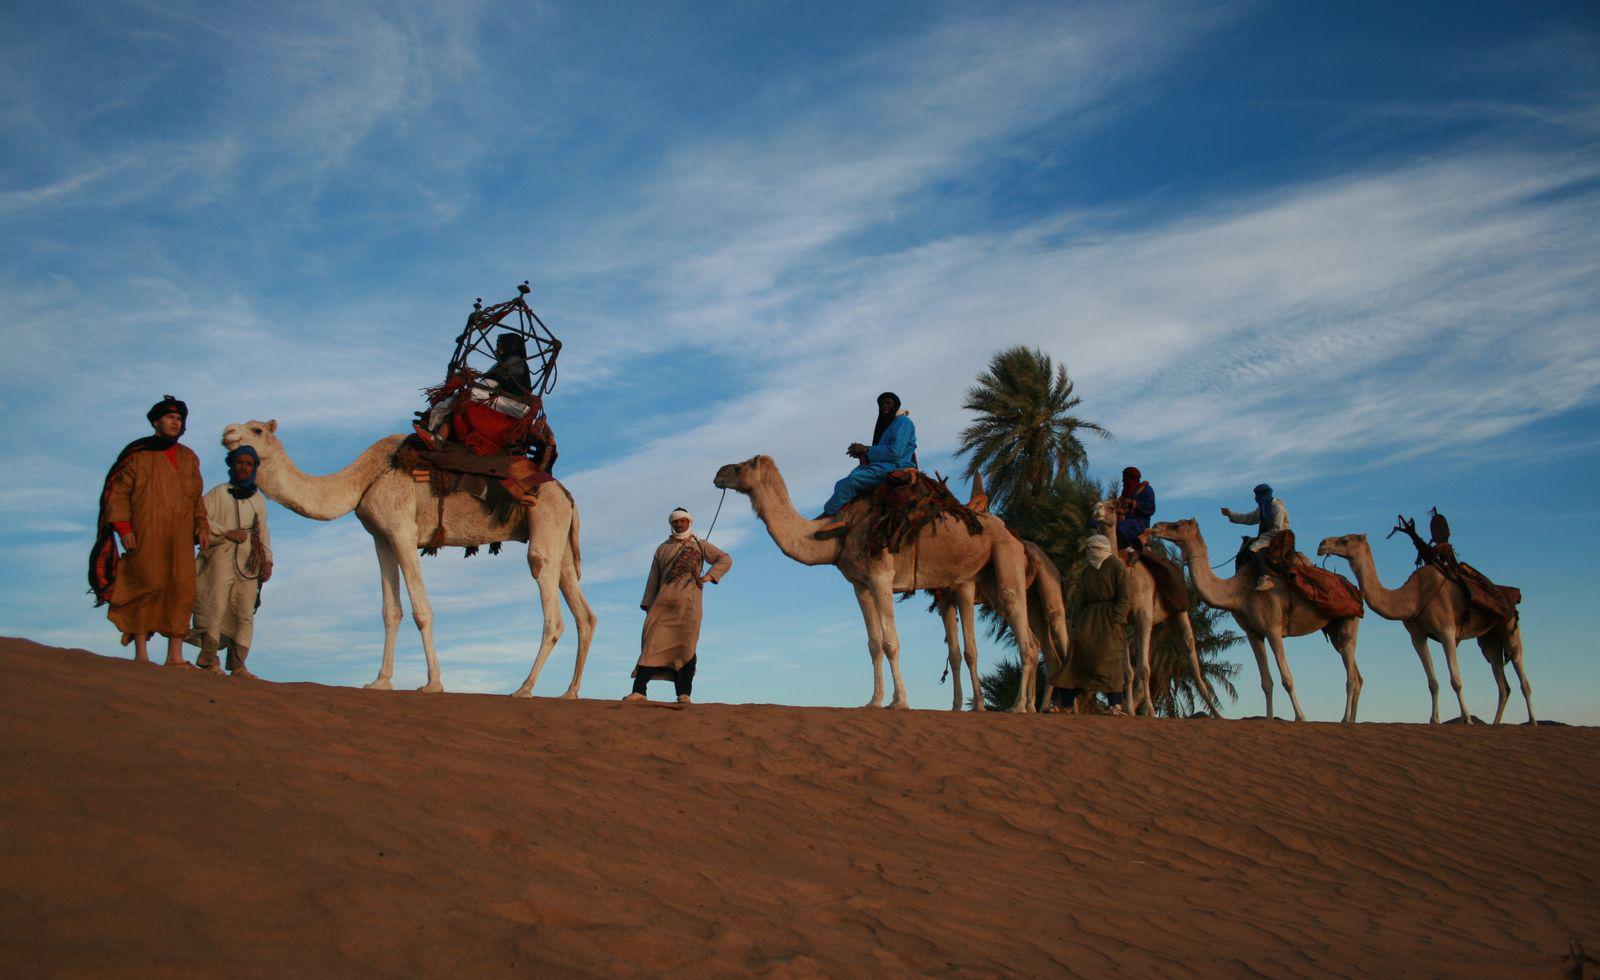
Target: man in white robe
[{"x": 230, "y": 571}]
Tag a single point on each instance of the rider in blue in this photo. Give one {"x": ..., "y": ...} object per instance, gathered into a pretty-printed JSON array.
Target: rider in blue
[{"x": 894, "y": 447}]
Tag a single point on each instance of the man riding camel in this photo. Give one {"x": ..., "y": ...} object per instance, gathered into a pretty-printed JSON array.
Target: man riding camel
[
  {"x": 1135, "y": 506},
  {"x": 894, "y": 447},
  {"x": 1271, "y": 518}
]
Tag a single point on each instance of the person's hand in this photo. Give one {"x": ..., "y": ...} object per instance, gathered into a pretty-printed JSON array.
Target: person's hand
[
  {"x": 238, "y": 537},
  {"x": 129, "y": 542},
  {"x": 266, "y": 571},
  {"x": 857, "y": 450}
]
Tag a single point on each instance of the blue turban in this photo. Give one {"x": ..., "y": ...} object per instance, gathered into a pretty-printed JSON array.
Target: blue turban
[{"x": 247, "y": 488}]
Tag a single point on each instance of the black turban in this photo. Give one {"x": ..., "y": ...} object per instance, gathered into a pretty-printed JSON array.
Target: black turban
[{"x": 166, "y": 406}]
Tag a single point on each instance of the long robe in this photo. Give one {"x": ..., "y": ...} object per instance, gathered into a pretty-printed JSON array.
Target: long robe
[
  {"x": 672, "y": 601},
  {"x": 1099, "y": 641},
  {"x": 228, "y": 573},
  {"x": 894, "y": 449},
  {"x": 155, "y": 586}
]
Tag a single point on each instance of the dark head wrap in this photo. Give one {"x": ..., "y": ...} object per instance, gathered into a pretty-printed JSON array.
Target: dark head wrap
[
  {"x": 884, "y": 418},
  {"x": 166, "y": 406},
  {"x": 1131, "y": 478},
  {"x": 246, "y": 489},
  {"x": 1263, "y": 498}
]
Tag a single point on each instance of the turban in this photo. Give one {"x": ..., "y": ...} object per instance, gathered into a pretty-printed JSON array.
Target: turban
[
  {"x": 1097, "y": 548},
  {"x": 166, "y": 406},
  {"x": 247, "y": 488},
  {"x": 884, "y": 418},
  {"x": 677, "y": 513},
  {"x": 1131, "y": 478}
]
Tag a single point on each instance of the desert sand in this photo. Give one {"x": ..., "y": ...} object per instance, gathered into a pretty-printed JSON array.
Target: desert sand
[{"x": 159, "y": 822}]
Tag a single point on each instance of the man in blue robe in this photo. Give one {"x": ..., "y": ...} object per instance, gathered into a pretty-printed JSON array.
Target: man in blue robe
[
  {"x": 1135, "y": 505},
  {"x": 894, "y": 447}
]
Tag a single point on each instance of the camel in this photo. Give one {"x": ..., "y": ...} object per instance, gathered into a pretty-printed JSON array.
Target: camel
[
  {"x": 1047, "y": 617},
  {"x": 1431, "y": 607},
  {"x": 1147, "y": 614},
  {"x": 1267, "y": 616},
  {"x": 400, "y": 514},
  {"x": 949, "y": 559}
]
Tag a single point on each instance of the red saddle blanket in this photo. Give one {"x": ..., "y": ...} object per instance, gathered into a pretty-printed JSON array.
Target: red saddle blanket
[
  {"x": 1332, "y": 593},
  {"x": 1499, "y": 601},
  {"x": 905, "y": 503}
]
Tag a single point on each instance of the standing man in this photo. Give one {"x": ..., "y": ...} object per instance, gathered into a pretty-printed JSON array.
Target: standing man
[
  {"x": 672, "y": 597},
  {"x": 231, "y": 571},
  {"x": 1270, "y": 517},
  {"x": 151, "y": 502},
  {"x": 1135, "y": 505},
  {"x": 1096, "y": 661},
  {"x": 894, "y": 447}
]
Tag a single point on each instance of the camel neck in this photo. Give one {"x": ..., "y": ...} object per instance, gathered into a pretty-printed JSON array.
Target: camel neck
[
  {"x": 1227, "y": 594},
  {"x": 324, "y": 498},
  {"x": 791, "y": 532},
  {"x": 1398, "y": 604}
]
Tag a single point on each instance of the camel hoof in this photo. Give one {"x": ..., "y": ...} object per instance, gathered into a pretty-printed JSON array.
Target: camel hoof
[
  {"x": 571, "y": 694},
  {"x": 898, "y": 704},
  {"x": 522, "y": 692},
  {"x": 378, "y": 685},
  {"x": 432, "y": 687}
]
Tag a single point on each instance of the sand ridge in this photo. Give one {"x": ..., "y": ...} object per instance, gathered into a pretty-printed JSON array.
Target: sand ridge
[{"x": 157, "y": 821}]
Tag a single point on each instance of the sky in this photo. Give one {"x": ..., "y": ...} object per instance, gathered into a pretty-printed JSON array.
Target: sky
[{"x": 1346, "y": 249}]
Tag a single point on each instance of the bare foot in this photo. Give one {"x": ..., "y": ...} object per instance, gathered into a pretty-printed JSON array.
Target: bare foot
[
  {"x": 244, "y": 674},
  {"x": 634, "y": 696},
  {"x": 210, "y": 668}
]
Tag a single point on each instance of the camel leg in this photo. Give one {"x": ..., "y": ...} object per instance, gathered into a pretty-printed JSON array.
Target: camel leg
[
  {"x": 869, "y": 616},
  {"x": 1346, "y": 645},
  {"x": 948, "y": 616},
  {"x": 1012, "y": 593},
  {"x": 1186, "y": 628},
  {"x": 1492, "y": 645},
  {"x": 969, "y": 643},
  {"x": 1051, "y": 635},
  {"x": 1142, "y": 628},
  {"x": 1449, "y": 644},
  {"x": 389, "y": 575},
  {"x": 547, "y": 576},
  {"x": 405, "y": 553},
  {"x": 1258, "y": 647},
  {"x": 1419, "y": 642},
  {"x": 1285, "y": 674},
  {"x": 1514, "y": 644},
  {"x": 882, "y": 594},
  {"x": 583, "y": 616}
]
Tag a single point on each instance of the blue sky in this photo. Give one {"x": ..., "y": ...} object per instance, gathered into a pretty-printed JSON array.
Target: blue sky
[{"x": 1346, "y": 249}]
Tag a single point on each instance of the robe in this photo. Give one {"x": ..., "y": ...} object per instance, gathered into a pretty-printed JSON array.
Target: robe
[
  {"x": 895, "y": 449},
  {"x": 155, "y": 587},
  {"x": 672, "y": 601},
  {"x": 228, "y": 573},
  {"x": 1268, "y": 525},
  {"x": 1099, "y": 640}
]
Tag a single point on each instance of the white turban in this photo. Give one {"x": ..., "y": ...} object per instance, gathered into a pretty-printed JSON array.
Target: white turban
[
  {"x": 1097, "y": 549},
  {"x": 677, "y": 513}
]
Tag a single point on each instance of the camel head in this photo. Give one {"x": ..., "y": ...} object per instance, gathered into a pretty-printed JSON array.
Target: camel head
[
  {"x": 1104, "y": 514},
  {"x": 258, "y": 435},
  {"x": 1183, "y": 533},
  {"x": 1343, "y": 546},
  {"x": 746, "y": 476}
]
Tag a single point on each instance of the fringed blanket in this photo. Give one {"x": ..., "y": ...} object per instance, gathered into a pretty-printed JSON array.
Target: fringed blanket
[
  {"x": 1332, "y": 593},
  {"x": 905, "y": 503}
]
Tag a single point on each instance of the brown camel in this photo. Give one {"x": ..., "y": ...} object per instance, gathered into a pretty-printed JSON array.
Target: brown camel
[
  {"x": 1431, "y": 607},
  {"x": 944, "y": 556},
  {"x": 1267, "y": 616},
  {"x": 1148, "y": 613},
  {"x": 401, "y": 513}
]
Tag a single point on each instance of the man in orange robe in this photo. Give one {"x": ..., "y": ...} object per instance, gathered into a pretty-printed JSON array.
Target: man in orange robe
[{"x": 151, "y": 502}]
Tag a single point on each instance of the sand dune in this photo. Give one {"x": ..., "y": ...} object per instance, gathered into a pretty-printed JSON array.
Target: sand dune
[{"x": 158, "y": 822}]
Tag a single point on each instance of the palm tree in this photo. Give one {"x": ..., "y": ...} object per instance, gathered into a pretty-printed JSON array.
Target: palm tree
[{"x": 1026, "y": 435}]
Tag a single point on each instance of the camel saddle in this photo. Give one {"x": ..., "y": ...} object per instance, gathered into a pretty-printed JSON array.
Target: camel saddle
[
  {"x": 904, "y": 503},
  {"x": 453, "y": 467},
  {"x": 1498, "y": 601},
  {"x": 1332, "y": 593}
]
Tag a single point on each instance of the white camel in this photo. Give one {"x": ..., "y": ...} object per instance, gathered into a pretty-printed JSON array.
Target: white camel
[{"x": 401, "y": 514}]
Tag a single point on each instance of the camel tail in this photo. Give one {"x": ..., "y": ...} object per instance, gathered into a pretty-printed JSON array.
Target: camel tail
[{"x": 572, "y": 535}]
